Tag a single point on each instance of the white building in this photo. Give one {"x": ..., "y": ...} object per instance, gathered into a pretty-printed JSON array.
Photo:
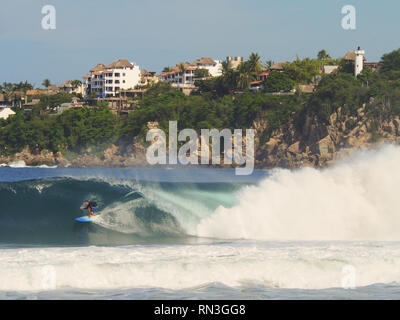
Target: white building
[
  {"x": 5, "y": 112},
  {"x": 214, "y": 67},
  {"x": 67, "y": 87},
  {"x": 358, "y": 61},
  {"x": 329, "y": 69},
  {"x": 107, "y": 81},
  {"x": 176, "y": 77}
]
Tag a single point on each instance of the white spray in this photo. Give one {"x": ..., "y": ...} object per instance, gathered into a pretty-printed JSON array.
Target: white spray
[{"x": 357, "y": 199}]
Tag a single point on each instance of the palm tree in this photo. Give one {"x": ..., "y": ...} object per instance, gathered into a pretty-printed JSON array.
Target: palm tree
[
  {"x": 244, "y": 80},
  {"x": 76, "y": 83},
  {"x": 225, "y": 66},
  {"x": 323, "y": 55},
  {"x": 181, "y": 67},
  {"x": 254, "y": 63},
  {"x": 46, "y": 83}
]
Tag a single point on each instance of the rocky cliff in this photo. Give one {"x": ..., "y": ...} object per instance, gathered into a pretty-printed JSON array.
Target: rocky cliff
[
  {"x": 311, "y": 142},
  {"x": 318, "y": 143}
]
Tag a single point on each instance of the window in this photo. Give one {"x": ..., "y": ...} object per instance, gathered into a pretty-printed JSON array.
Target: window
[
  {"x": 123, "y": 81},
  {"x": 116, "y": 81},
  {"x": 117, "y": 74},
  {"x": 123, "y": 74}
]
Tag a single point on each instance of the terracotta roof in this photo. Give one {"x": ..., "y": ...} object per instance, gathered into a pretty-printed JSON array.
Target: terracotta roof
[
  {"x": 66, "y": 84},
  {"x": 204, "y": 61},
  {"x": 278, "y": 66},
  {"x": 255, "y": 82},
  {"x": 123, "y": 63},
  {"x": 86, "y": 76},
  {"x": 99, "y": 67},
  {"x": 111, "y": 65},
  {"x": 34, "y": 92},
  {"x": 264, "y": 74}
]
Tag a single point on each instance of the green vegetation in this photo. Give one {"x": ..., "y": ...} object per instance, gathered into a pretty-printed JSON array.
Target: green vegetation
[
  {"x": 10, "y": 87},
  {"x": 220, "y": 102},
  {"x": 201, "y": 73},
  {"x": 72, "y": 130},
  {"x": 47, "y": 104},
  {"x": 279, "y": 82},
  {"x": 46, "y": 83}
]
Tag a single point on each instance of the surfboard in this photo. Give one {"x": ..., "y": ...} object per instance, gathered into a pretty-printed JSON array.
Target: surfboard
[{"x": 84, "y": 219}]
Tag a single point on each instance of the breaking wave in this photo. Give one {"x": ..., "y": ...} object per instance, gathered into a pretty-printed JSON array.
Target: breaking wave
[{"x": 357, "y": 199}]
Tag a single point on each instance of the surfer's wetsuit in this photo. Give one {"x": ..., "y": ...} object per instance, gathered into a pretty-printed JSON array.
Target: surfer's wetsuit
[{"x": 89, "y": 206}]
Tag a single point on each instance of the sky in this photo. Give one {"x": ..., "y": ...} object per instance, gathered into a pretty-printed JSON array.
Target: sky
[{"x": 159, "y": 33}]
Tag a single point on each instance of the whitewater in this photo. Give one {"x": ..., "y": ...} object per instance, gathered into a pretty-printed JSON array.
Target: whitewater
[{"x": 203, "y": 233}]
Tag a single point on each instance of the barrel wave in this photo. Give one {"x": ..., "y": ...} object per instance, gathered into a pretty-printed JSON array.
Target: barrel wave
[{"x": 43, "y": 211}]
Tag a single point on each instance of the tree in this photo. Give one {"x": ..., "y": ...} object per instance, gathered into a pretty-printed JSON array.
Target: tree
[
  {"x": 181, "y": 67},
  {"x": 76, "y": 83},
  {"x": 226, "y": 66},
  {"x": 201, "y": 73},
  {"x": 391, "y": 61},
  {"x": 346, "y": 66},
  {"x": 334, "y": 91},
  {"x": 323, "y": 55},
  {"x": 91, "y": 96},
  {"x": 166, "y": 69},
  {"x": 303, "y": 71},
  {"x": 366, "y": 76},
  {"x": 254, "y": 63},
  {"x": 46, "y": 83},
  {"x": 278, "y": 81}
]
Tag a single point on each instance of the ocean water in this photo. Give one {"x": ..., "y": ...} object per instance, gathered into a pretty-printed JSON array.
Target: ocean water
[{"x": 189, "y": 233}]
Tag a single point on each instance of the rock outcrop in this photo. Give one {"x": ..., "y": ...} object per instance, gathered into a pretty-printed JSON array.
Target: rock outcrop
[{"x": 315, "y": 143}]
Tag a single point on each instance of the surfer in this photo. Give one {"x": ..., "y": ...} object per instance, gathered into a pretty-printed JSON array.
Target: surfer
[{"x": 90, "y": 205}]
